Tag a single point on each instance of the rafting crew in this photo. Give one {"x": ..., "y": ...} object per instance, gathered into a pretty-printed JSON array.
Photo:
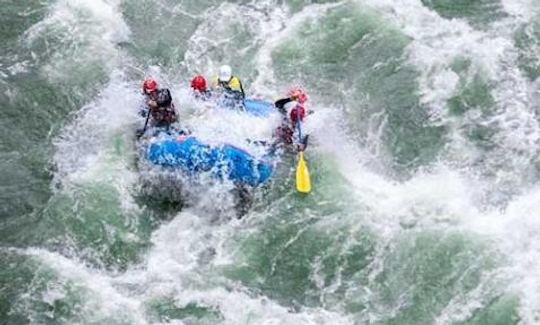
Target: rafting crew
[
  {"x": 158, "y": 102},
  {"x": 160, "y": 111}
]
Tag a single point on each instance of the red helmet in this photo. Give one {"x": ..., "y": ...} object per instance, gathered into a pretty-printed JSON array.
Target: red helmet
[
  {"x": 150, "y": 85},
  {"x": 298, "y": 94},
  {"x": 198, "y": 83}
]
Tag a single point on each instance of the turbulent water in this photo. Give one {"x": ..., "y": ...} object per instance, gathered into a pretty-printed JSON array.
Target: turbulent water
[{"x": 424, "y": 155}]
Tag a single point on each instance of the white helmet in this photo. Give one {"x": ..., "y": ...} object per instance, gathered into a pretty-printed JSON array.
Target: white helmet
[{"x": 225, "y": 73}]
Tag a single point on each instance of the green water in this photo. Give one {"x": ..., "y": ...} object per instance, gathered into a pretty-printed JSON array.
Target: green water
[{"x": 423, "y": 161}]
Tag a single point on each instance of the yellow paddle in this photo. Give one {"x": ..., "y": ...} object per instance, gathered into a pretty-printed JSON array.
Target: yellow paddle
[{"x": 303, "y": 182}]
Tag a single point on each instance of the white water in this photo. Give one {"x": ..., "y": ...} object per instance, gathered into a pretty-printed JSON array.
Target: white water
[
  {"x": 444, "y": 196},
  {"x": 88, "y": 30}
]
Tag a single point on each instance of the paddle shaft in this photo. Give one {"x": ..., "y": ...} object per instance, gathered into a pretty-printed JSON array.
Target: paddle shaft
[
  {"x": 146, "y": 122},
  {"x": 298, "y": 123}
]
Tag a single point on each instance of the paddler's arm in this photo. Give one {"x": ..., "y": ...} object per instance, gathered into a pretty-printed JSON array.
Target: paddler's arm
[
  {"x": 242, "y": 89},
  {"x": 280, "y": 104}
]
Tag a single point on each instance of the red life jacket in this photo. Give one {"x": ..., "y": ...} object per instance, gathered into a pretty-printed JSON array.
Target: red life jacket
[{"x": 297, "y": 110}]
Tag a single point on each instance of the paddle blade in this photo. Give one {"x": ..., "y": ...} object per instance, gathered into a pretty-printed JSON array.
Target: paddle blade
[{"x": 303, "y": 182}]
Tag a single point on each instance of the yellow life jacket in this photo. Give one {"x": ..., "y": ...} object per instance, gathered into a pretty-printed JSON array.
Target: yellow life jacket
[{"x": 234, "y": 84}]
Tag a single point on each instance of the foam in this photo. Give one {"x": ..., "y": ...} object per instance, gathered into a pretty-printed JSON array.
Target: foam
[
  {"x": 441, "y": 197},
  {"x": 79, "y": 31}
]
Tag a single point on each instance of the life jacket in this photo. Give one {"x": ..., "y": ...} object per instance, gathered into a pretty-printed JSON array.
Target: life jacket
[
  {"x": 165, "y": 111},
  {"x": 233, "y": 85},
  {"x": 297, "y": 111}
]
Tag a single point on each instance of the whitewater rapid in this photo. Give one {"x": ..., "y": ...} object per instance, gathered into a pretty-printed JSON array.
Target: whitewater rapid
[{"x": 423, "y": 152}]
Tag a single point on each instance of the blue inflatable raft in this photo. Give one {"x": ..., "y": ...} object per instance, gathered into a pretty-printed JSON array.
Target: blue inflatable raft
[
  {"x": 226, "y": 162},
  {"x": 258, "y": 107},
  {"x": 251, "y": 106},
  {"x": 192, "y": 156}
]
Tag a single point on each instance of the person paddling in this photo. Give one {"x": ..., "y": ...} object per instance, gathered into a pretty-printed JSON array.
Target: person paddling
[
  {"x": 293, "y": 104},
  {"x": 158, "y": 103},
  {"x": 227, "y": 83},
  {"x": 199, "y": 89}
]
